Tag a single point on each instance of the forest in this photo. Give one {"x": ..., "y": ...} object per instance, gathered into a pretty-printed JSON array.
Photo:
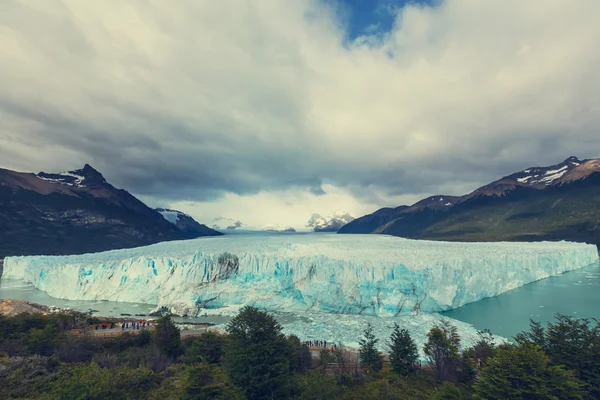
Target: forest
[{"x": 52, "y": 357}]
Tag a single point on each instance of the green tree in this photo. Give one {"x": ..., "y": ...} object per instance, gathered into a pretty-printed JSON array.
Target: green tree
[
  {"x": 298, "y": 354},
  {"x": 572, "y": 342},
  {"x": 442, "y": 349},
  {"x": 477, "y": 356},
  {"x": 524, "y": 372},
  {"x": 208, "y": 381},
  {"x": 484, "y": 348},
  {"x": 403, "y": 352},
  {"x": 167, "y": 336},
  {"x": 370, "y": 358},
  {"x": 208, "y": 347},
  {"x": 256, "y": 356}
]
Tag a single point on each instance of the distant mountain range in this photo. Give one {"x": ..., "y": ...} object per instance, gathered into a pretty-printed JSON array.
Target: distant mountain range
[
  {"x": 227, "y": 223},
  {"x": 232, "y": 224},
  {"x": 79, "y": 212},
  {"x": 329, "y": 224},
  {"x": 559, "y": 202},
  {"x": 277, "y": 228}
]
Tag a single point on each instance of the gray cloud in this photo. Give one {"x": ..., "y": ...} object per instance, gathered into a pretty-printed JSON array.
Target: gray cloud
[{"x": 193, "y": 100}]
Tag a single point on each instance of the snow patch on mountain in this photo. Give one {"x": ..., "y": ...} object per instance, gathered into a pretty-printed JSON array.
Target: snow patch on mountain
[
  {"x": 172, "y": 215},
  {"x": 546, "y": 175},
  {"x": 64, "y": 178},
  {"x": 330, "y": 223}
]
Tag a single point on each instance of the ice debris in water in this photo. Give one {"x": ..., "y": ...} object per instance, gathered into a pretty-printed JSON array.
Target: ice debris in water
[{"x": 348, "y": 274}]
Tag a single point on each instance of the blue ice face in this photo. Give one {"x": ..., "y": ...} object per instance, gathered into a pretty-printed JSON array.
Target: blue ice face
[{"x": 366, "y": 275}]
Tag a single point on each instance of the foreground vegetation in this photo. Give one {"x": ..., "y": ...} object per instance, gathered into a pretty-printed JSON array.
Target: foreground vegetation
[{"x": 40, "y": 358}]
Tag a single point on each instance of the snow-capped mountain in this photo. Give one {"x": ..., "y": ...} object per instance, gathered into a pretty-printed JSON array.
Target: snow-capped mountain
[
  {"x": 535, "y": 178},
  {"x": 330, "y": 223},
  {"x": 546, "y": 175},
  {"x": 183, "y": 221},
  {"x": 227, "y": 223},
  {"x": 79, "y": 178},
  {"x": 558, "y": 202},
  {"x": 277, "y": 228},
  {"x": 76, "y": 212}
]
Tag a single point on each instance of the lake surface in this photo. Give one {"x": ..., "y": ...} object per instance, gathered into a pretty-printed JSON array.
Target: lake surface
[{"x": 575, "y": 293}]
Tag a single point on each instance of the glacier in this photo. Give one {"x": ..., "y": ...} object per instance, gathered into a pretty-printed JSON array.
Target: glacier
[
  {"x": 346, "y": 330},
  {"x": 370, "y": 275}
]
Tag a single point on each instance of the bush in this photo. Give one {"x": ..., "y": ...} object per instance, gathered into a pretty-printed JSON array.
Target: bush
[
  {"x": 208, "y": 381},
  {"x": 89, "y": 381},
  {"x": 75, "y": 350},
  {"x": 42, "y": 341},
  {"x": 105, "y": 360}
]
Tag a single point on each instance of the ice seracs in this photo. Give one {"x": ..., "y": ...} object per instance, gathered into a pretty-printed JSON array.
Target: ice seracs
[{"x": 358, "y": 274}]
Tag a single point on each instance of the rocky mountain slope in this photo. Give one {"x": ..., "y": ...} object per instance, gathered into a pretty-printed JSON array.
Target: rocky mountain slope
[
  {"x": 75, "y": 212},
  {"x": 329, "y": 224},
  {"x": 559, "y": 202},
  {"x": 185, "y": 222}
]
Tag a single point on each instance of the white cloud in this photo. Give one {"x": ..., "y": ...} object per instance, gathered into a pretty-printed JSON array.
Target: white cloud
[
  {"x": 291, "y": 207},
  {"x": 191, "y": 100}
]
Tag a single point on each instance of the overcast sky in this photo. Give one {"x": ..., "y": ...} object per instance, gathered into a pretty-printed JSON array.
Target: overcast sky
[{"x": 270, "y": 110}]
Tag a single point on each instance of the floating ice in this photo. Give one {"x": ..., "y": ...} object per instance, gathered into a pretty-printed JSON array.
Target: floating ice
[{"x": 350, "y": 274}]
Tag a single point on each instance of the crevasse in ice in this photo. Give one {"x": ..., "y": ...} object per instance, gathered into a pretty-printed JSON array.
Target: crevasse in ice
[{"x": 351, "y": 274}]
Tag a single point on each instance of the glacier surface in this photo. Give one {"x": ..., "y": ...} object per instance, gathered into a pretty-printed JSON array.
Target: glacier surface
[
  {"x": 345, "y": 330},
  {"x": 348, "y": 274}
]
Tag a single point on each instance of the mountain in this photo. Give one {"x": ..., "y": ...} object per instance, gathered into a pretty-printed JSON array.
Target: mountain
[
  {"x": 185, "y": 223},
  {"x": 277, "y": 228},
  {"x": 559, "y": 202},
  {"x": 329, "y": 224},
  {"x": 75, "y": 212},
  {"x": 535, "y": 178},
  {"x": 227, "y": 223}
]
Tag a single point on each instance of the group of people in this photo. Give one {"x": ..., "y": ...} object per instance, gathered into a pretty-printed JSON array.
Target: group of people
[
  {"x": 105, "y": 325},
  {"x": 319, "y": 343},
  {"x": 135, "y": 325}
]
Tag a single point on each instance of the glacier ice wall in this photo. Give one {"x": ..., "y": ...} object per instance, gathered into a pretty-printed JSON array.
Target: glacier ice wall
[{"x": 354, "y": 274}]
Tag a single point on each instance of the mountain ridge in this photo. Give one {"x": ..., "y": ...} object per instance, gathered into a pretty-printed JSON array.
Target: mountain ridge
[
  {"x": 186, "y": 223},
  {"x": 558, "y": 202},
  {"x": 75, "y": 212}
]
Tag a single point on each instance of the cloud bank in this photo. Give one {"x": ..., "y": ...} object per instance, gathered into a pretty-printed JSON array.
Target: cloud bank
[{"x": 208, "y": 101}]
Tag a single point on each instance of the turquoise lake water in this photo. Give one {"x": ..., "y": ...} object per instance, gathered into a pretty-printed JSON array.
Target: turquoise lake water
[{"x": 575, "y": 293}]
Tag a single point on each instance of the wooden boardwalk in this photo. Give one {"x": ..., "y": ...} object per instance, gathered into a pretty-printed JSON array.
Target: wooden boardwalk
[{"x": 115, "y": 332}]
